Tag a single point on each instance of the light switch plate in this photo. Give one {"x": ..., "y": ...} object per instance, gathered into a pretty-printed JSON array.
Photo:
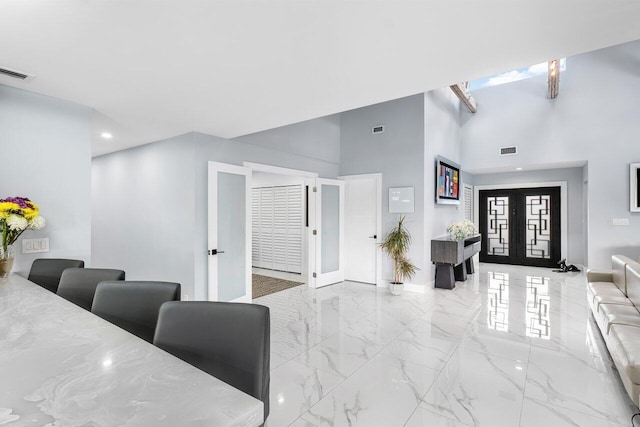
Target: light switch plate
[
  {"x": 33, "y": 246},
  {"x": 620, "y": 221}
]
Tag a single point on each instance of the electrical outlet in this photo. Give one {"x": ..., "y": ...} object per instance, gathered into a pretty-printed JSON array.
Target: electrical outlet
[
  {"x": 620, "y": 221},
  {"x": 33, "y": 246}
]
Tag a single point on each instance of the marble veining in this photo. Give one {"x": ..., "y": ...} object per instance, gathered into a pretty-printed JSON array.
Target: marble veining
[
  {"x": 511, "y": 347},
  {"x": 62, "y": 366}
]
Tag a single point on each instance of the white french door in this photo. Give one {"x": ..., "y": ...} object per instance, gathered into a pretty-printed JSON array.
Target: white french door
[
  {"x": 229, "y": 224},
  {"x": 328, "y": 232}
]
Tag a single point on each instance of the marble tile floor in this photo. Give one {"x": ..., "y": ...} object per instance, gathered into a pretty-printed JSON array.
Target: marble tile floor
[{"x": 513, "y": 346}]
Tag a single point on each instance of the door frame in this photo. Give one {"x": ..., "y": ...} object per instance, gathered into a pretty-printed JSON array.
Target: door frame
[
  {"x": 564, "y": 235},
  {"x": 378, "y": 178},
  {"x": 309, "y": 244},
  {"x": 212, "y": 227}
]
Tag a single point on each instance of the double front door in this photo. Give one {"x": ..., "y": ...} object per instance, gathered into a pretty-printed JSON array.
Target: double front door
[{"x": 520, "y": 226}]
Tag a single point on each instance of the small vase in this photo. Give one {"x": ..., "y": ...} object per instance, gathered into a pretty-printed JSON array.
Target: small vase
[
  {"x": 396, "y": 288},
  {"x": 6, "y": 261}
]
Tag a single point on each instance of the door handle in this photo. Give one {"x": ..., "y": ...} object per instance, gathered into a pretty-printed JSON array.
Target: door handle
[
  {"x": 375, "y": 236},
  {"x": 215, "y": 252}
]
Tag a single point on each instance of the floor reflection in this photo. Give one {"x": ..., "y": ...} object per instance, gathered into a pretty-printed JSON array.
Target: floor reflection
[
  {"x": 498, "y": 301},
  {"x": 538, "y": 307}
]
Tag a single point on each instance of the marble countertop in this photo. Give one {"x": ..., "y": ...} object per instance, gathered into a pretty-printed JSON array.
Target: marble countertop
[{"x": 61, "y": 365}]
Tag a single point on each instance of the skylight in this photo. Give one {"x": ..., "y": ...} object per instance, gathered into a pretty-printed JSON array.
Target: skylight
[{"x": 515, "y": 75}]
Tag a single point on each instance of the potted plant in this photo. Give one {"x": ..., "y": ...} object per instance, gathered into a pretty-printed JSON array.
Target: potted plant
[{"x": 396, "y": 245}]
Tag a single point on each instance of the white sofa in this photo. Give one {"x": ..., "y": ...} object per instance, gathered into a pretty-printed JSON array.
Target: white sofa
[{"x": 614, "y": 298}]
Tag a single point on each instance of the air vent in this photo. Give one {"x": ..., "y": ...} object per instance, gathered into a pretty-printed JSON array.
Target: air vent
[
  {"x": 8, "y": 72},
  {"x": 377, "y": 129},
  {"x": 508, "y": 151}
]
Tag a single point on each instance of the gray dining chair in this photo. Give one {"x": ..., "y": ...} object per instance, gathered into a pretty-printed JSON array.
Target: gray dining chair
[
  {"x": 78, "y": 285},
  {"x": 230, "y": 341},
  {"x": 134, "y": 305},
  {"x": 46, "y": 272}
]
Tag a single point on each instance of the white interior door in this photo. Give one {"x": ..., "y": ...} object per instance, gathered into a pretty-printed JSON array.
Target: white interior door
[
  {"x": 329, "y": 232},
  {"x": 362, "y": 227},
  {"x": 229, "y": 233}
]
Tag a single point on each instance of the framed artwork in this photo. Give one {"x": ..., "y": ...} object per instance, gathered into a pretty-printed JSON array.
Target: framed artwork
[
  {"x": 401, "y": 200},
  {"x": 634, "y": 187},
  {"x": 447, "y": 182}
]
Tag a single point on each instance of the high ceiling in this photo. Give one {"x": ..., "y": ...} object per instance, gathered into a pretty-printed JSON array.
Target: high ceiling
[{"x": 152, "y": 69}]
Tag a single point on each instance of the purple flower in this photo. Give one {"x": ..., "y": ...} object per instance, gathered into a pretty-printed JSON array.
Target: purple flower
[{"x": 23, "y": 202}]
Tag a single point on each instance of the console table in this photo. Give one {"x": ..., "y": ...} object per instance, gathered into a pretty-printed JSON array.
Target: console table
[
  {"x": 453, "y": 259},
  {"x": 62, "y": 365}
]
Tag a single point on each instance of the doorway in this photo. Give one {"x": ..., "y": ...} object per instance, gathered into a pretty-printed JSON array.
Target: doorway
[
  {"x": 278, "y": 248},
  {"x": 363, "y": 227},
  {"x": 521, "y": 226}
]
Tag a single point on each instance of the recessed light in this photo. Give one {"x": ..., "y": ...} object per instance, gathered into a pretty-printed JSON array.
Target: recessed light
[
  {"x": 106, "y": 135},
  {"x": 518, "y": 169}
]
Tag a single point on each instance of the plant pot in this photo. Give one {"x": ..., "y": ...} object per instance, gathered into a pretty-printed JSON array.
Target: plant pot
[
  {"x": 396, "y": 288},
  {"x": 6, "y": 261}
]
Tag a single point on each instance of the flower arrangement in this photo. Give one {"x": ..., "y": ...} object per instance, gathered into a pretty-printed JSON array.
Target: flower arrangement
[
  {"x": 462, "y": 229},
  {"x": 17, "y": 214}
]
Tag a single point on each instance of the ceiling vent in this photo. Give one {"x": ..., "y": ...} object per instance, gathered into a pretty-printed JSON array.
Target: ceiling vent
[
  {"x": 15, "y": 74},
  {"x": 377, "y": 129},
  {"x": 508, "y": 151}
]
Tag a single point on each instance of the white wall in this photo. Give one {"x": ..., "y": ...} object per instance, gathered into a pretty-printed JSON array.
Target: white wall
[
  {"x": 397, "y": 153},
  {"x": 316, "y": 139},
  {"x": 159, "y": 191},
  {"x": 207, "y": 147},
  {"x": 46, "y": 147},
  {"x": 264, "y": 179},
  {"x": 442, "y": 116},
  {"x": 594, "y": 120},
  {"x": 142, "y": 202},
  {"x": 573, "y": 177}
]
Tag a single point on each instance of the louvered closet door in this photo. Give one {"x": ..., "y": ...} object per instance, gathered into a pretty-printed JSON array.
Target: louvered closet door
[
  {"x": 266, "y": 228},
  {"x": 468, "y": 202},
  {"x": 255, "y": 227},
  {"x": 277, "y": 228},
  {"x": 294, "y": 229}
]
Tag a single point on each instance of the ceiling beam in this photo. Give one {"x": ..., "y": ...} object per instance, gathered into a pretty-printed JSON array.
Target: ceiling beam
[
  {"x": 462, "y": 91},
  {"x": 554, "y": 78}
]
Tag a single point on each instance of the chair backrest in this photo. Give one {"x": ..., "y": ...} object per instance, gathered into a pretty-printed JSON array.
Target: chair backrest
[
  {"x": 133, "y": 305},
  {"x": 230, "y": 341},
  {"x": 46, "y": 272},
  {"x": 78, "y": 285}
]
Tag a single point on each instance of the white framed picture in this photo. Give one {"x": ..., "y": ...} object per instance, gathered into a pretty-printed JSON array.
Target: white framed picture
[
  {"x": 634, "y": 187},
  {"x": 401, "y": 200}
]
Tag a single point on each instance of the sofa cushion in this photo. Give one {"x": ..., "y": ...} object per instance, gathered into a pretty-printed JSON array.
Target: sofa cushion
[
  {"x": 602, "y": 289},
  {"x": 619, "y": 299},
  {"x": 633, "y": 282},
  {"x": 618, "y": 314},
  {"x": 624, "y": 341}
]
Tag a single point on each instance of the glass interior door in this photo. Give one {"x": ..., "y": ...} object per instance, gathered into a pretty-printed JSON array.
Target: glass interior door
[
  {"x": 329, "y": 232},
  {"x": 229, "y": 249}
]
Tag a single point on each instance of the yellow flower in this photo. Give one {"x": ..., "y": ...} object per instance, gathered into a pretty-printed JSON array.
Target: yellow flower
[
  {"x": 5, "y": 207},
  {"x": 29, "y": 214}
]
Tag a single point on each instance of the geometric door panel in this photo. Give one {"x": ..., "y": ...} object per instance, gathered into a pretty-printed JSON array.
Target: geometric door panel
[
  {"x": 498, "y": 225},
  {"x": 538, "y": 220},
  {"x": 520, "y": 226}
]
